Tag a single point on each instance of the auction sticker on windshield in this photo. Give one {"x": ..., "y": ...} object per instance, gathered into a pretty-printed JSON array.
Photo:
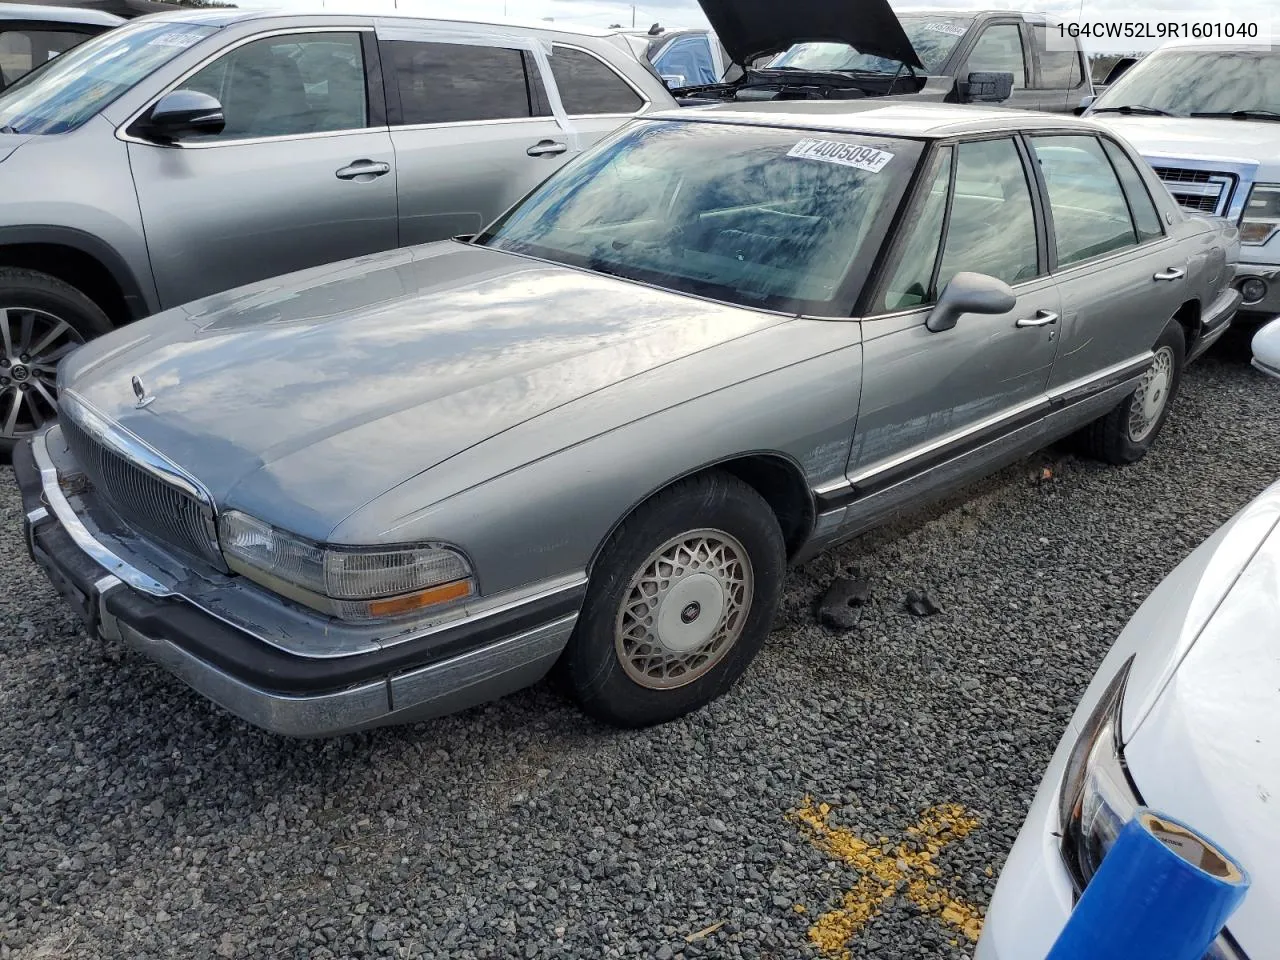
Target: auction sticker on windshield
[
  {"x": 845, "y": 154},
  {"x": 177, "y": 39}
]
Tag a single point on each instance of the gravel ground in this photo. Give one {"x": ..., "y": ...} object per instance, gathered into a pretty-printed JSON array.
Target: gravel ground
[{"x": 136, "y": 820}]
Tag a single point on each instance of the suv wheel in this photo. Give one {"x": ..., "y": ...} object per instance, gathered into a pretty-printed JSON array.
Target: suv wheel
[
  {"x": 681, "y": 600},
  {"x": 42, "y": 319},
  {"x": 1126, "y": 434}
]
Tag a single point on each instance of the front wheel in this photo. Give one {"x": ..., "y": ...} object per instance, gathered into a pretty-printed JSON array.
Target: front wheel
[
  {"x": 1125, "y": 434},
  {"x": 42, "y": 319},
  {"x": 681, "y": 600}
]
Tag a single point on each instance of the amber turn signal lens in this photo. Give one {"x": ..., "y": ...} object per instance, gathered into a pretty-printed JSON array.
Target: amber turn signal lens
[{"x": 398, "y": 606}]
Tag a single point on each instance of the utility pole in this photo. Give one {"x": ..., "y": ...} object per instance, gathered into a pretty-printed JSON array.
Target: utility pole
[{"x": 633, "y": 16}]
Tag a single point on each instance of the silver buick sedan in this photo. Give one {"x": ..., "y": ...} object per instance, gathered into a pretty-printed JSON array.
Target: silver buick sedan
[{"x": 593, "y": 436}]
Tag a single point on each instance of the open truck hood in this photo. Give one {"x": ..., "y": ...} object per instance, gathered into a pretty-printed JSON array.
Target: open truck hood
[{"x": 754, "y": 28}]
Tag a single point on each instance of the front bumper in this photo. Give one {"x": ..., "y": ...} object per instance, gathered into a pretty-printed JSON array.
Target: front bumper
[{"x": 464, "y": 664}]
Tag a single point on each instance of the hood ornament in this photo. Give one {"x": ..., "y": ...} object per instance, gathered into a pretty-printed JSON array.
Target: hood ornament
[{"x": 140, "y": 391}]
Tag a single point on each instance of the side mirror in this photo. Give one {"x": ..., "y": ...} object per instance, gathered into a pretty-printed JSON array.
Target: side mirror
[
  {"x": 1085, "y": 104},
  {"x": 183, "y": 113},
  {"x": 970, "y": 293},
  {"x": 986, "y": 88}
]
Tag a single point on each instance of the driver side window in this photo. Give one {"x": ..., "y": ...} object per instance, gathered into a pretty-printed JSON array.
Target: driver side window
[
  {"x": 288, "y": 85},
  {"x": 999, "y": 50}
]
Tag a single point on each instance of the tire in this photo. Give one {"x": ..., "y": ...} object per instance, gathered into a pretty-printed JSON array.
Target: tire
[
  {"x": 41, "y": 312},
  {"x": 1125, "y": 434},
  {"x": 736, "y": 556}
]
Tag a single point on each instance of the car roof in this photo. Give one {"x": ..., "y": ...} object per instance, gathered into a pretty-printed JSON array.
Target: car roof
[
  {"x": 33, "y": 11},
  {"x": 224, "y": 17},
  {"x": 898, "y": 119}
]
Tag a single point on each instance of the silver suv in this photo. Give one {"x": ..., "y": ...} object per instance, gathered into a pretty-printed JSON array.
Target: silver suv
[{"x": 185, "y": 154}]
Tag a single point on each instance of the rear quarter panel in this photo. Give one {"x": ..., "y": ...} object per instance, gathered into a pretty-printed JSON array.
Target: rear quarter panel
[{"x": 538, "y": 501}]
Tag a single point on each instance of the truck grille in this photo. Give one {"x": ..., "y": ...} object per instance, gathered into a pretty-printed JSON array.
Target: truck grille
[
  {"x": 1203, "y": 191},
  {"x": 145, "y": 502}
]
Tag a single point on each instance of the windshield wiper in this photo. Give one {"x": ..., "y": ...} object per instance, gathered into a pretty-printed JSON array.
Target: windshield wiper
[
  {"x": 1137, "y": 108},
  {"x": 1240, "y": 114},
  {"x": 8, "y": 129}
]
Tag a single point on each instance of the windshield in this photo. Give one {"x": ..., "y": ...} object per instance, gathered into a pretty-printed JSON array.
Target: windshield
[
  {"x": 70, "y": 89},
  {"x": 761, "y": 217},
  {"x": 1183, "y": 82},
  {"x": 932, "y": 37}
]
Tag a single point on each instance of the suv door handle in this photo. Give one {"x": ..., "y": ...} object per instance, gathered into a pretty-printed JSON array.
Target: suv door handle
[
  {"x": 1173, "y": 273},
  {"x": 1042, "y": 319},
  {"x": 364, "y": 168},
  {"x": 547, "y": 148}
]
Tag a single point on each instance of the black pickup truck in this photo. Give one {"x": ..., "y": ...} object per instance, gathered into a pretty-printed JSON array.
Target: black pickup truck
[{"x": 833, "y": 50}]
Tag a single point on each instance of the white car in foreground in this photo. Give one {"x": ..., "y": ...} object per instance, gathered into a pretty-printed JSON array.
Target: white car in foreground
[
  {"x": 1184, "y": 717},
  {"x": 1266, "y": 349}
]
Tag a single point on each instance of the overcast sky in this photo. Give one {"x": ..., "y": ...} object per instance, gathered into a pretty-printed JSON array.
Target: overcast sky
[{"x": 603, "y": 13}]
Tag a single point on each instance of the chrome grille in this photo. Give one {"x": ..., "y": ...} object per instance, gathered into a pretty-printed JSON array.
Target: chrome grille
[
  {"x": 144, "y": 501},
  {"x": 1203, "y": 191}
]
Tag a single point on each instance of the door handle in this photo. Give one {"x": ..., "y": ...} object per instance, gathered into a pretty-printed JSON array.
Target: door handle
[
  {"x": 1173, "y": 273},
  {"x": 547, "y": 148},
  {"x": 1042, "y": 319},
  {"x": 363, "y": 168}
]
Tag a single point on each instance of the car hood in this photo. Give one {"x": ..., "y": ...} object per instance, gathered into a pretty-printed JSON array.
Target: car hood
[
  {"x": 386, "y": 366},
  {"x": 1234, "y": 140},
  {"x": 1208, "y": 751},
  {"x": 753, "y": 28}
]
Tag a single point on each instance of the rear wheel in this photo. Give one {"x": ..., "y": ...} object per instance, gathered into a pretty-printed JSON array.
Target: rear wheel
[
  {"x": 680, "y": 602},
  {"x": 42, "y": 319},
  {"x": 1126, "y": 433}
]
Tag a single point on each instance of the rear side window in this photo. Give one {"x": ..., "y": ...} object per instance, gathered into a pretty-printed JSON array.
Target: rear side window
[
  {"x": 1090, "y": 215},
  {"x": 1145, "y": 216},
  {"x": 1059, "y": 69},
  {"x": 455, "y": 83},
  {"x": 589, "y": 86}
]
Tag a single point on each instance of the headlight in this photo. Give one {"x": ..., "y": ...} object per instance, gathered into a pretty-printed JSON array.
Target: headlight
[
  {"x": 1097, "y": 798},
  {"x": 1261, "y": 214},
  {"x": 347, "y": 582}
]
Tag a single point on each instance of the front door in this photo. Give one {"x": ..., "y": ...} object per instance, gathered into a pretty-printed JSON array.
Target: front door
[
  {"x": 300, "y": 176},
  {"x": 928, "y": 397},
  {"x": 1001, "y": 48}
]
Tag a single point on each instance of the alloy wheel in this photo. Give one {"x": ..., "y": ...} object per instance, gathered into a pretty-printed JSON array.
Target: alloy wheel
[
  {"x": 684, "y": 609},
  {"x": 1152, "y": 395},
  {"x": 32, "y": 341}
]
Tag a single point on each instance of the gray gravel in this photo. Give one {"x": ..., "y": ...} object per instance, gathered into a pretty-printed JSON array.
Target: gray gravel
[{"x": 136, "y": 820}]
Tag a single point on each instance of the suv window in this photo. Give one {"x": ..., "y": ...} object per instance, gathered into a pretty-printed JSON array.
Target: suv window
[
  {"x": 1145, "y": 216},
  {"x": 1090, "y": 215},
  {"x": 913, "y": 277},
  {"x": 457, "y": 83},
  {"x": 22, "y": 50},
  {"x": 1059, "y": 69},
  {"x": 992, "y": 229},
  {"x": 589, "y": 86},
  {"x": 288, "y": 85},
  {"x": 999, "y": 50}
]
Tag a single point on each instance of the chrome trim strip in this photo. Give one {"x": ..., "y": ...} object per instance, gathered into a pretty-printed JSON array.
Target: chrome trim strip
[
  {"x": 132, "y": 447},
  {"x": 76, "y": 530},
  {"x": 1083, "y": 383},
  {"x": 932, "y": 446},
  {"x": 36, "y": 515}
]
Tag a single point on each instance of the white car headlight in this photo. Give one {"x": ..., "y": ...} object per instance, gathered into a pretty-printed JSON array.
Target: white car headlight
[
  {"x": 350, "y": 583},
  {"x": 1261, "y": 217}
]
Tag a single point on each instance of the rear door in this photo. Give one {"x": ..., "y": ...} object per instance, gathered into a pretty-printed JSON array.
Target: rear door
[
  {"x": 1000, "y": 46},
  {"x": 304, "y": 173},
  {"x": 472, "y": 130},
  {"x": 1122, "y": 278},
  {"x": 596, "y": 97},
  {"x": 1060, "y": 74},
  {"x": 931, "y": 395}
]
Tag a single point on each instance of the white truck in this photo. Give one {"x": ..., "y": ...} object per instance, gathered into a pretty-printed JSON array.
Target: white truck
[{"x": 1207, "y": 118}]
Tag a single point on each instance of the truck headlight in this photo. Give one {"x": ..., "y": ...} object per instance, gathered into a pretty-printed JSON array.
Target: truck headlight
[
  {"x": 351, "y": 583},
  {"x": 1097, "y": 797},
  {"x": 1261, "y": 214}
]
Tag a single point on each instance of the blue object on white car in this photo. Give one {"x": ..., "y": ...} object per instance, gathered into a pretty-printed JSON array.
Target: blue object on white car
[
  {"x": 1163, "y": 892},
  {"x": 1266, "y": 349},
  {"x": 1182, "y": 717}
]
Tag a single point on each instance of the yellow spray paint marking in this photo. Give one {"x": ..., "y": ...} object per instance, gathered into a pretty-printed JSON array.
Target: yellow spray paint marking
[{"x": 910, "y": 864}]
